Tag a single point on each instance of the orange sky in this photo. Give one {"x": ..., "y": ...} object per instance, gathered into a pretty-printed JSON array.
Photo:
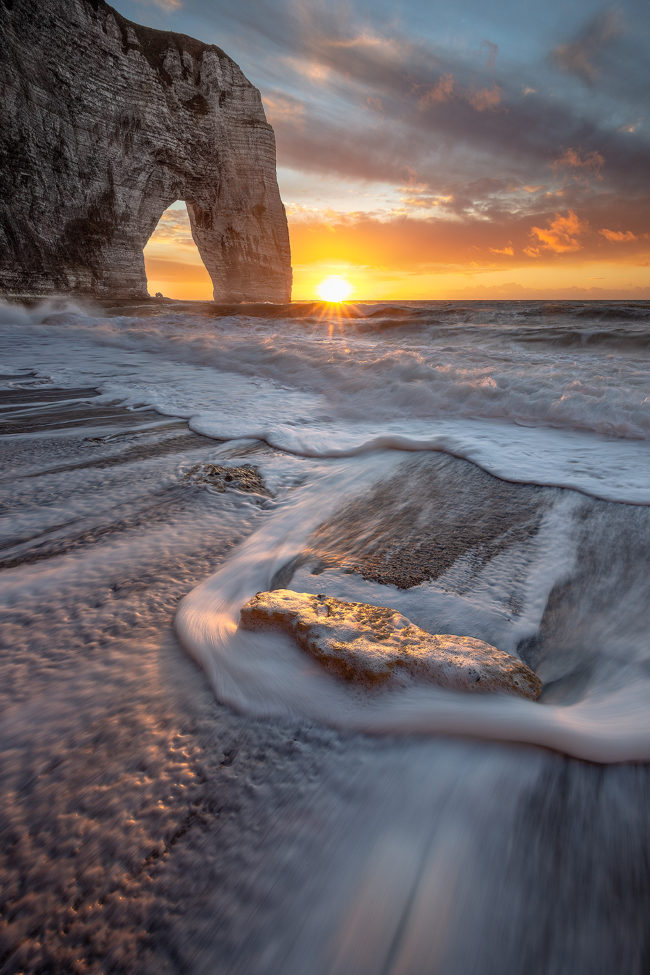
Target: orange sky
[{"x": 398, "y": 254}]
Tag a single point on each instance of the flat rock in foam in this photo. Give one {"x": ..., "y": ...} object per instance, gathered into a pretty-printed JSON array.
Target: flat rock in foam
[{"x": 374, "y": 644}]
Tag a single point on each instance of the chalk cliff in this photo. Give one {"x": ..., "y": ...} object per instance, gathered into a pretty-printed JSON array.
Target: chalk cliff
[{"x": 103, "y": 124}]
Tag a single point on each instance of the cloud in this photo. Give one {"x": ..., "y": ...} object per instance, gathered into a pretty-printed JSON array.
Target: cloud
[
  {"x": 445, "y": 88},
  {"x": 173, "y": 228},
  {"x": 367, "y": 103},
  {"x": 618, "y": 236},
  {"x": 563, "y": 234},
  {"x": 280, "y": 106},
  {"x": 483, "y": 229},
  {"x": 426, "y": 201},
  {"x": 582, "y": 56},
  {"x": 447, "y": 125},
  {"x": 442, "y": 91},
  {"x": 442, "y": 152},
  {"x": 485, "y": 99},
  {"x": 490, "y": 51},
  {"x": 444, "y": 111},
  {"x": 590, "y": 163},
  {"x": 164, "y": 4},
  {"x": 309, "y": 68},
  {"x": 365, "y": 39}
]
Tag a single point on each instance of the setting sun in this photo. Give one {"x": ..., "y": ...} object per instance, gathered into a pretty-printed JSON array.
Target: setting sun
[{"x": 334, "y": 288}]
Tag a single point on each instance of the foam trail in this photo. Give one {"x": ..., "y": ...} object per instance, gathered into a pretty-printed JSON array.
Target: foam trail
[
  {"x": 606, "y": 468},
  {"x": 265, "y": 674}
]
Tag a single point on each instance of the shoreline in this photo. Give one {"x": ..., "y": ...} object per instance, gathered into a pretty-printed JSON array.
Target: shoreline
[
  {"x": 123, "y": 780},
  {"x": 148, "y": 828}
]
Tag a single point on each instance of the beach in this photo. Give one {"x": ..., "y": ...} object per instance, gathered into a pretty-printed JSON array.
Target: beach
[{"x": 179, "y": 795}]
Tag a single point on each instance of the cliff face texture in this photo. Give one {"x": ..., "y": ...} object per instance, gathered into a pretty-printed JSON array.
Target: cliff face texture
[{"x": 103, "y": 124}]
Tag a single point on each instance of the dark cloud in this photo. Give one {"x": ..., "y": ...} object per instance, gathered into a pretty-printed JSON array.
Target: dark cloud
[
  {"x": 369, "y": 101},
  {"x": 358, "y": 94},
  {"x": 447, "y": 140}
]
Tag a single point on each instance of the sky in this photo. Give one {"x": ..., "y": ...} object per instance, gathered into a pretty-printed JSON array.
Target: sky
[{"x": 441, "y": 150}]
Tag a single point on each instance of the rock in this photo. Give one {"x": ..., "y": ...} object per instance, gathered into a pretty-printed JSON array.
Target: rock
[
  {"x": 244, "y": 478},
  {"x": 386, "y": 535},
  {"x": 105, "y": 123},
  {"x": 374, "y": 644}
]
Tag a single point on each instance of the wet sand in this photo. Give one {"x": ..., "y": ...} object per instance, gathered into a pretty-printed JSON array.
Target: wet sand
[
  {"x": 135, "y": 810},
  {"x": 147, "y": 828}
]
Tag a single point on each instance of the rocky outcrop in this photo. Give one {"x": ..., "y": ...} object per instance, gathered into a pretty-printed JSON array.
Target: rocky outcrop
[
  {"x": 104, "y": 124},
  {"x": 374, "y": 644}
]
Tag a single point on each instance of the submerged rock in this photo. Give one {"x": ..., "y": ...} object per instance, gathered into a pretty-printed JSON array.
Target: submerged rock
[
  {"x": 103, "y": 124},
  {"x": 375, "y": 644},
  {"x": 386, "y": 537}
]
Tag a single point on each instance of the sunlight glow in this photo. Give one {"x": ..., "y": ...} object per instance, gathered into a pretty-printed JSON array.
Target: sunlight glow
[
  {"x": 172, "y": 261},
  {"x": 334, "y": 289}
]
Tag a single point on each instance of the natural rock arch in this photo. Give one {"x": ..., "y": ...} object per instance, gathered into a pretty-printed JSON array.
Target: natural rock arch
[{"x": 98, "y": 137}]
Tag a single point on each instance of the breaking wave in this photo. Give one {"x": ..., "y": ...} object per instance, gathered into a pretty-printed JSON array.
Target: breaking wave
[{"x": 517, "y": 399}]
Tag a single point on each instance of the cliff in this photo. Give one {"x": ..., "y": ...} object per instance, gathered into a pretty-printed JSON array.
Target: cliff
[{"x": 103, "y": 124}]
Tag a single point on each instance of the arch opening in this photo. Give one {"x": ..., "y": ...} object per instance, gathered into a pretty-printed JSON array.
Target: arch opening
[{"x": 172, "y": 261}]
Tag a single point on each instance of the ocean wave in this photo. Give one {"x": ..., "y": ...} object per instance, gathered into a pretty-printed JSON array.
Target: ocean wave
[
  {"x": 629, "y": 312},
  {"x": 325, "y": 386},
  {"x": 616, "y": 338},
  {"x": 612, "y": 470},
  {"x": 592, "y": 310}
]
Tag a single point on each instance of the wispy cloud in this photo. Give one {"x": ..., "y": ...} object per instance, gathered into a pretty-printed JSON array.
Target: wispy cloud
[
  {"x": 442, "y": 91},
  {"x": 618, "y": 236},
  {"x": 582, "y": 55},
  {"x": 173, "y": 234},
  {"x": 163, "y": 4},
  {"x": 485, "y": 99},
  {"x": 582, "y": 164},
  {"x": 490, "y": 51},
  {"x": 280, "y": 106}
]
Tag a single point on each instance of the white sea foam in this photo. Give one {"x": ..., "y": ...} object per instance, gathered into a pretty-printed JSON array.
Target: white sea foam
[
  {"x": 265, "y": 674},
  {"x": 522, "y": 411}
]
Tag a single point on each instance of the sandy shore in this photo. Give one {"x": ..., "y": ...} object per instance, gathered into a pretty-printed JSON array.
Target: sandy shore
[
  {"x": 135, "y": 810},
  {"x": 146, "y": 828}
]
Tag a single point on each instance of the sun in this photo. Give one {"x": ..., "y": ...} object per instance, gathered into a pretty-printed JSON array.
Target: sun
[{"x": 334, "y": 288}]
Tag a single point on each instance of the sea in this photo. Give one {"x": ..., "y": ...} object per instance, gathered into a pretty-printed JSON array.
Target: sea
[{"x": 484, "y": 468}]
